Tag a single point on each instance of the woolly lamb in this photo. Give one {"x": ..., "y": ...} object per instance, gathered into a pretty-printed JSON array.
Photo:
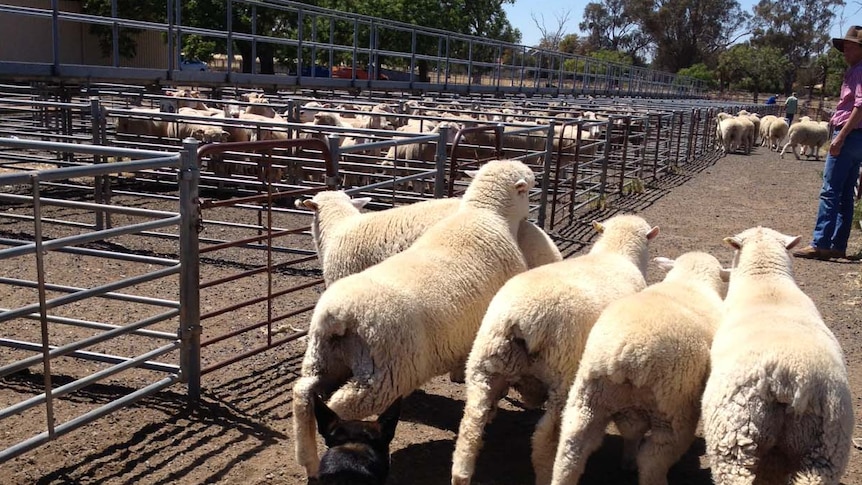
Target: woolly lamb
[
  {"x": 730, "y": 132},
  {"x": 379, "y": 334},
  {"x": 535, "y": 330},
  {"x": 348, "y": 241},
  {"x": 644, "y": 366},
  {"x": 764, "y": 129},
  {"x": 806, "y": 133},
  {"x": 777, "y": 132},
  {"x": 777, "y": 403}
]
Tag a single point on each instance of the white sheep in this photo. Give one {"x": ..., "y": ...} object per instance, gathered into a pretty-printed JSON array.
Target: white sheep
[
  {"x": 777, "y": 403},
  {"x": 764, "y": 129},
  {"x": 777, "y": 132},
  {"x": 644, "y": 366},
  {"x": 806, "y": 133},
  {"x": 379, "y": 334},
  {"x": 348, "y": 241},
  {"x": 535, "y": 330},
  {"x": 730, "y": 132}
]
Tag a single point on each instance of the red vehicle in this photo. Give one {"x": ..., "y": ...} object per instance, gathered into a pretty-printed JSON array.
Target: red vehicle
[{"x": 346, "y": 72}]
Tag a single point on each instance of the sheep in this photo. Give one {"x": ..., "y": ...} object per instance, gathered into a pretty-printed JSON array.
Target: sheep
[
  {"x": 535, "y": 330},
  {"x": 730, "y": 132},
  {"x": 764, "y": 129},
  {"x": 644, "y": 366},
  {"x": 777, "y": 131},
  {"x": 348, "y": 241},
  {"x": 806, "y": 133},
  {"x": 777, "y": 402},
  {"x": 417, "y": 153},
  {"x": 379, "y": 334}
]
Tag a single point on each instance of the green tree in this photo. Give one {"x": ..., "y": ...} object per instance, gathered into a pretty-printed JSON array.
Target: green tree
[
  {"x": 148, "y": 10},
  {"x": 799, "y": 29},
  {"x": 700, "y": 71},
  {"x": 686, "y": 32},
  {"x": 753, "y": 69},
  {"x": 611, "y": 26}
]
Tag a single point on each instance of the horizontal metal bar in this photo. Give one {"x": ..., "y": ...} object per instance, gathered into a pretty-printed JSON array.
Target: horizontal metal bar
[
  {"x": 89, "y": 237},
  {"x": 80, "y": 148},
  {"x": 98, "y": 253},
  {"x": 89, "y": 417},
  {"x": 80, "y": 344},
  {"x": 132, "y": 211},
  {"x": 97, "y": 325},
  {"x": 111, "y": 296},
  {"x": 122, "y": 363},
  {"x": 96, "y": 291},
  {"x": 88, "y": 170}
]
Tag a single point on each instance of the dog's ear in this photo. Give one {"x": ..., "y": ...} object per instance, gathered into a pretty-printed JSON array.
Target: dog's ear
[
  {"x": 388, "y": 420},
  {"x": 327, "y": 420}
]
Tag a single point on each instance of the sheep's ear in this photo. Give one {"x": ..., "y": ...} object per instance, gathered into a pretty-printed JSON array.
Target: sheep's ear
[
  {"x": 388, "y": 420},
  {"x": 326, "y": 418},
  {"x": 725, "y": 274},
  {"x": 734, "y": 242},
  {"x": 598, "y": 226},
  {"x": 652, "y": 234},
  {"x": 791, "y": 241},
  {"x": 308, "y": 204},
  {"x": 664, "y": 263},
  {"x": 360, "y": 202},
  {"x": 471, "y": 173},
  {"x": 521, "y": 186}
]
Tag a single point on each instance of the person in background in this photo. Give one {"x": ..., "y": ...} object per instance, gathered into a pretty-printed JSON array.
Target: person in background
[
  {"x": 772, "y": 99},
  {"x": 835, "y": 213},
  {"x": 790, "y": 106}
]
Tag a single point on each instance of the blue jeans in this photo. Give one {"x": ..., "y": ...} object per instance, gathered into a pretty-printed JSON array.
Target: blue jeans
[{"x": 835, "y": 214}]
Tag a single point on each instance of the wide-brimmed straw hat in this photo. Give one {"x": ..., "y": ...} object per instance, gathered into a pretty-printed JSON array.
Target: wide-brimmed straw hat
[{"x": 854, "y": 34}]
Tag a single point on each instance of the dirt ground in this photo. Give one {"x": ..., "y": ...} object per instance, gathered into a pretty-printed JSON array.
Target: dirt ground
[{"x": 241, "y": 433}]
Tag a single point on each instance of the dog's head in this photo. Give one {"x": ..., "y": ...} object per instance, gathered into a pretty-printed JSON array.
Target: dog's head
[{"x": 356, "y": 448}]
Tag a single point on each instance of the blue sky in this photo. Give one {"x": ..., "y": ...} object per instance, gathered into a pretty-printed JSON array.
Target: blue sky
[{"x": 520, "y": 16}]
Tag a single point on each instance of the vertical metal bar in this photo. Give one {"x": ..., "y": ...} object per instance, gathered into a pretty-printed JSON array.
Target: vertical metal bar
[
  {"x": 313, "y": 62},
  {"x": 300, "y": 33},
  {"x": 546, "y": 175},
  {"x": 55, "y": 36},
  {"x": 448, "y": 68},
  {"x": 254, "y": 39},
  {"x": 43, "y": 310},
  {"x": 229, "y": 23},
  {"x": 115, "y": 33},
  {"x": 355, "y": 49},
  {"x": 413, "y": 59},
  {"x": 470, "y": 63},
  {"x": 331, "y": 43},
  {"x": 190, "y": 317},
  {"x": 334, "y": 142},
  {"x": 172, "y": 55},
  {"x": 607, "y": 158},
  {"x": 439, "y": 57},
  {"x": 96, "y": 115},
  {"x": 440, "y": 162}
]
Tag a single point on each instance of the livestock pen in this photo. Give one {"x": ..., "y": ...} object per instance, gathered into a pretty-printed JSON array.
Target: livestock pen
[{"x": 133, "y": 262}]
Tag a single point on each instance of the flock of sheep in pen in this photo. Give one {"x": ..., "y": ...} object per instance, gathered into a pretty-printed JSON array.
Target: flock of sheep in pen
[
  {"x": 740, "y": 132},
  {"x": 252, "y": 117},
  {"x": 469, "y": 287}
]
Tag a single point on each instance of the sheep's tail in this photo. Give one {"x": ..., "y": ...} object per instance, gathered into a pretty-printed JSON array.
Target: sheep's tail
[{"x": 304, "y": 426}]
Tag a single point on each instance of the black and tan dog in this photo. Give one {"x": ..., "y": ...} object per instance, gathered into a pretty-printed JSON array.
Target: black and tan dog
[{"x": 357, "y": 451}]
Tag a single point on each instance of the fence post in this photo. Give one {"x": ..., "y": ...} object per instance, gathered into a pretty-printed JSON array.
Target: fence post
[
  {"x": 334, "y": 143},
  {"x": 440, "y": 162},
  {"x": 546, "y": 175},
  {"x": 190, "y": 317},
  {"x": 98, "y": 186}
]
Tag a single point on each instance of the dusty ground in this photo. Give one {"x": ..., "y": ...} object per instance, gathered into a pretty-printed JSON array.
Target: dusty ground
[{"x": 241, "y": 433}]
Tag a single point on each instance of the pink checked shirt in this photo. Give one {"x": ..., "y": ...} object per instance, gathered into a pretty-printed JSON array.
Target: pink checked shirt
[{"x": 851, "y": 96}]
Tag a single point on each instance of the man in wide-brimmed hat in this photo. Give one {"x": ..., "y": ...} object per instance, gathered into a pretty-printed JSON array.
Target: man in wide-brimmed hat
[{"x": 835, "y": 214}]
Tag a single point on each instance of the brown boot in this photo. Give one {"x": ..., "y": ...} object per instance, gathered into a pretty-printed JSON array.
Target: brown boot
[{"x": 810, "y": 252}]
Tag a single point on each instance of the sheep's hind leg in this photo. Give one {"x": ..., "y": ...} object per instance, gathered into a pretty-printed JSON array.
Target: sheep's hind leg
[
  {"x": 483, "y": 393},
  {"x": 667, "y": 442},
  {"x": 582, "y": 431},
  {"x": 358, "y": 399},
  {"x": 632, "y": 425},
  {"x": 304, "y": 424}
]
